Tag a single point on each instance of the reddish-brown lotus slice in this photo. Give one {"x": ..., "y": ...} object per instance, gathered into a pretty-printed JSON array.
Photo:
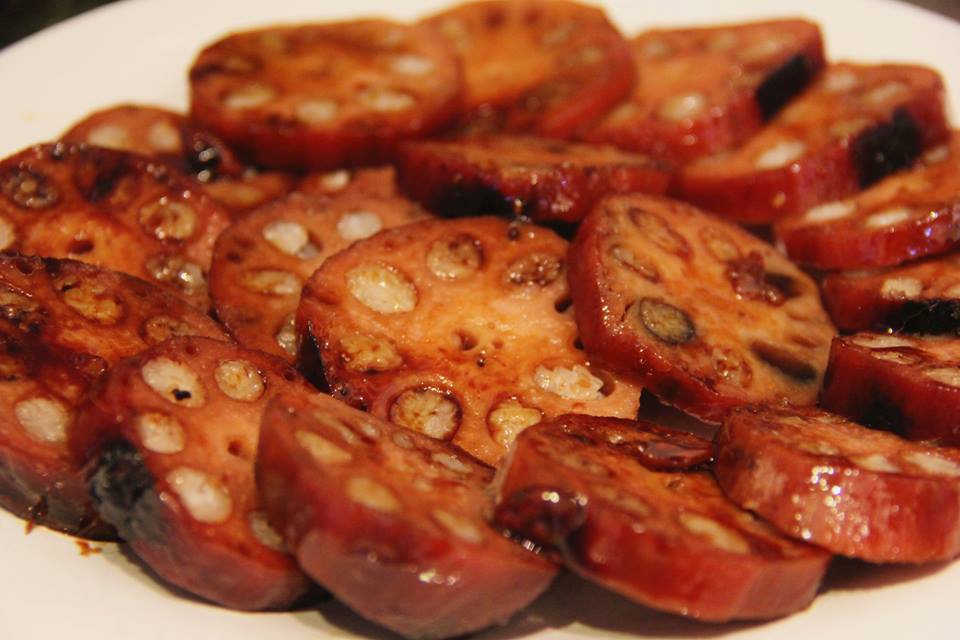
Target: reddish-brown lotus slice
[
  {"x": 703, "y": 313},
  {"x": 372, "y": 181},
  {"x": 261, "y": 262},
  {"x": 544, "y": 180},
  {"x": 391, "y": 522},
  {"x": 536, "y": 67},
  {"x": 168, "y": 136},
  {"x": 62, "y": 323},
  {"x": 916, "y": 298},
  {"x": 170, "y": 439},
  {"x": 459, "y": 329},
  {"x": 325, "y": 95},
  {"x": 113, "y": 209},
  {"x": 903, "y": 384},
  {"x": 852, "y": 127},
  {"x": 703, "y": 90},
  {"x": 906, "y": 216},
  {"x": 857, "y": 492},
  {"x": 668, "y": 540}
]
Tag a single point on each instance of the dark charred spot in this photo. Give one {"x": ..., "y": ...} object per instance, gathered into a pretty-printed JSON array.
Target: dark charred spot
[
  {"x": 121, "y": 488},
  {"x": 782, "y": 84},
  {"x": 886, "y": 147},
  {"x": 28, "y": 188},
  {"x": 562, "y": 304},
  {"x": 879, "y": 412},
  {"x": 544, "y": 515},
  {"x": 936, "y": 317},
  {"x": 310, "y": 363},
  {"x": 784, "y": 361},
  {"x": 99, "y": 173},
  {"x": 750, "y": 279},
  {"x": 180, "y": 394},
  {"x": 464, "y": 198},
  {"x": 203, "y": 156}
]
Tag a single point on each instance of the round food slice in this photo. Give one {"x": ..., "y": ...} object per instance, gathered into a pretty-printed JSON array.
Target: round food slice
[
  {"x": 906, "y": 216},
  {"x": 852, "y": 127},
  {"x": 669, "y": 540},
  {"x": 262, "y": 260},
  {"x": 909, "y": 385},
  {"x": 170, "y": 137},
  {"x": 169, "y": 439},
  {"x": 372, "y": 181},
  {"x": 917, "y": 298},
  {"x": 325, "y": 96},
  {"x": 62, "y": 324},
  {"x": 704, "y": 314},
  {"x": 459, "y": 329},
  {"x": 393, "y": 523},
  {"x": 857, "y": 492},
  {"x": 700, "y": 91},
  {"x": 536, "y": 67},
  {"x": 113, "y": 209},
  {"x": 541, "y": 179}
]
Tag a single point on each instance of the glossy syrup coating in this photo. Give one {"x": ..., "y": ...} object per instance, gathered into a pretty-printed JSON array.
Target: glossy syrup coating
[
  {"x": 703, "y": 314},
  {"x": 906, "y": 384},
  {"x": 853, "y": 126},
  {"x": 583, "y": 486},
  {"x": 540, "y": 179},
  {"x": 62, "y": 324},
  {"x": 857, "y": 492},
  {"x": 112, "y": 209},
  {"x": 906, "y": 216},
  {"x": 392, "y": 522},
  {"x": 262, "y": 260},
  {"x": 460, "y": 329},
  {"x": 700, "y": 91},
  {"x": 169, "y": 440},
  {"x": 921, "y": 297},
  {"x": 325, "y": 96},
  {"x": 168, "y": 136},
  {"x": 535, "y": 67}
]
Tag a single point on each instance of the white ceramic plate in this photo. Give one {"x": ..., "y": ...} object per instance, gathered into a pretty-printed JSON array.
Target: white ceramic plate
[{"x": 139, "y": 50}]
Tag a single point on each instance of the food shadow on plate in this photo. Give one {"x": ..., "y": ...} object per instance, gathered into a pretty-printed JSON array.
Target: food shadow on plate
[
  {"x": 573, "y": 601},
  {"x": 847, "y": 574},
  {"x": 122, "y": 556},
  {"x": 570, "y": 601}
]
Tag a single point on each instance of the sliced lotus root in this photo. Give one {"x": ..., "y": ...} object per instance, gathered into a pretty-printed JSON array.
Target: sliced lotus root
[
  {"x": 372, "y": 181},
  {"x": 261, "y": 262},
  {"x": 854, "y": 126},
  {"x": 62, "y": 324},
  {"x": 706, "y": 315},
  {"x": 170, "y": 439},
  {"x": 541, "y": 179},
  {"x": 906, "y": 216},
  {"x": 168, "y": 136},
  {"x": 536, "y": 67},
  {"x": 113, "y": 209},
  {"x": 459, "y": 329},
  {"x": 909, "y": 385},
  {"x": 855, "y": 491},
  {"x": 325, "y": 95},
  {"x": 917, "y": 298},
  {"x": 393, "y": 523},
  {"x": 703, "y": 90},
  {"x": 669, "y": 540}
]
